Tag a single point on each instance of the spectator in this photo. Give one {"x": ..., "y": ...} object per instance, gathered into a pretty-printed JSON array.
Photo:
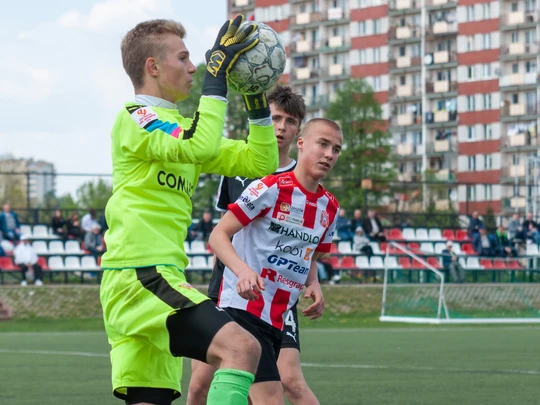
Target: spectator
[
  {"x": 451, "y": 263},
  {"x": 10, "y": 224},
  {"x": 475, "y": 224},
  {"x": 58, "y": 225},
  {"x": 73, "y": 226},
  {"x": 103, "y": 223},
  {"x": 204, "y": 227},
  {"x": 373, "y": 227},
  {"x": 504, "y": 248},
  {"x": 88, "y": 220},
  {"x": 357, "y": 219},
  {"x": 533, "y": 234},
  {"x": 343, "y": 226},
  {"x": 26, "y": 258},
  {"x": 484, "y": 244},
  {"x": 93, "y": 241},
  {"x": 325, "y": 268},
  {"x": 515, "y": 229},
  {"x": 361, "y": 242},
  {"x": 529, "y": 226}
]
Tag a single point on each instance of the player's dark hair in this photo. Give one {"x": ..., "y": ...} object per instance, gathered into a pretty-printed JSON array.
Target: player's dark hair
[
  {"x": 285, "y": 99},
  {"x": 145, "y": 41}
]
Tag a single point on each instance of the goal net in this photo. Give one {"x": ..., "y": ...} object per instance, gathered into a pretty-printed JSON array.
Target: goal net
[{"x": 423, "y": 296}]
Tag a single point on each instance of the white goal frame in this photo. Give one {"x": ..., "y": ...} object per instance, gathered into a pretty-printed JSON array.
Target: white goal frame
[{"x": 443, "y": 315}]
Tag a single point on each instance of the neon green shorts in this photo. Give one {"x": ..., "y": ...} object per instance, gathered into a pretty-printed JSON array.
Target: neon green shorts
[{"x": 136, "y": 304}]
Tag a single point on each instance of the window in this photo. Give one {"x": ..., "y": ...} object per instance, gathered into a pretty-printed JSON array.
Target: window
[
  {"x": 362, "y": 28},
  {"x": 403, "y": 138},
  {"x": 515, "y": 98},
  {"x": 471, "y": 104},
  {"x": 486, "y": 11},
  {"x": 530, "y": 67},
  {"x": 471, "y": 193},
  {"x": 470, "y": 43},
  {"x": 515, "y": 68},
  {"x": 486, "y": 41},
  {"x": 472, "y": 163},
  {"x": 488, "y": 162},
  {"x": 417, "y": 166},
  {"x": 486, "y": 70},
  {"x": 514, "y": 7},
  {"x": 402, "y": 51},
  {"x": 376, "y": 26},
  {"x": 487, "y": 101},
  {"x": 530, "y": 37},
  {"x": 402, "y": 80},
  {"x": 471, "y": 133},
  {"x": 376, "y": 55},
  {"x": 470, "y": 13},
  {"x": 470, "y": 72},
  {"x": 488, "y": 131},
  {"x": 514, "y": 37},
  {"x": 488, "y": 192},
  {"x": 362, "y": 56},
  {"x": 377, "y": 83}
]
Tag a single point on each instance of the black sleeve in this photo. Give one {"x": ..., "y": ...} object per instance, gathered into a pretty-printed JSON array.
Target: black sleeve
[{"x": 223, "y": 195}]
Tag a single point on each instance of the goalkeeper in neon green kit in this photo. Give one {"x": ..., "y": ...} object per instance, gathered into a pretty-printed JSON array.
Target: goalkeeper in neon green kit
[{"x": 152, "y": 316}]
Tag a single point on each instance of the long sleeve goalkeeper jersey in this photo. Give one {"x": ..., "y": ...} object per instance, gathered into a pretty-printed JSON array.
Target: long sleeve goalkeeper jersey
[{"x": 157, "y": 157}]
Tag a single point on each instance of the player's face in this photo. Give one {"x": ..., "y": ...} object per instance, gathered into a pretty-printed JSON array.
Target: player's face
[
  {"x": 320, "y": 150},
  {"x": 286, "y": 127},
  {"x": 176, "y": 70}
]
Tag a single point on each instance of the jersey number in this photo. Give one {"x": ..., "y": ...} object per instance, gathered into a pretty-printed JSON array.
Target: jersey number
[{"x": 289, "y": 321}]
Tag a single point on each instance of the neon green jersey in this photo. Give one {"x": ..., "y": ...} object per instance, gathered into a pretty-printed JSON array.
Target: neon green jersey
[{"x": 157, "y": 157}]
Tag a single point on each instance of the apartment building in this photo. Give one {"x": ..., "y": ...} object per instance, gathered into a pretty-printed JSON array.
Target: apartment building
[{"x": 457, "y": 80}]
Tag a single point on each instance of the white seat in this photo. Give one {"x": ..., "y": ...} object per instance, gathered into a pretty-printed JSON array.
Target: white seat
[
  {"x": 435, "y": 234},
  {"x": 427, "y": 247},
  {"x": 73, "y": 247},
  {"x": 26, "y": 230},
  {"x": 72, "y": 263},
  {"x": 56, "y": 247},
  {"x": 462, "y": 262},
  {"x": 422, "y": 234},
  {"x": 362, "y": 262},
  {"x": 40, "y": 247},
  {"x": 200, "y": 262},
  {"x": 344, "y": 247},
  {"x": 532, "y": 249},
  {"x": 376, "y": 262},
  {"x": 56, "y": 263},
  {"x": 456, "y": 248},
  {"x": 409, "y": 234},
  {"x": 439, "y": 247},
  {"x": 198, "y": 246},
  {"x": 40, "y": 231},
  {"x": 473, "y": 263},
  {"x": 187, "y": 248},
  {"x": 375, "y": 247},
  {"x": 89, "y": 262},
  {"x": 7, "y": 246},
  {"x": 391, "y": 262},
  {"x": 210, "y": 262}
]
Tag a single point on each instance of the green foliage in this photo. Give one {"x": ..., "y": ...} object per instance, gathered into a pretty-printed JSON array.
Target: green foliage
[
  {"x": 490, "y": 222},
  {"x": 93, "y": 194},
  {"x": 367, "y": 153}
]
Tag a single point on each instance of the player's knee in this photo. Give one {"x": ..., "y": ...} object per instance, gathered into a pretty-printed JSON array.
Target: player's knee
[
  {"x": 251, "y": 350},
  {"x": 294, "y": 389},
  {"x": 198, "y": 391}
]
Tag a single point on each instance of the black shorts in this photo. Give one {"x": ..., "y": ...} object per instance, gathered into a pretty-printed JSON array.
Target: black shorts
[
  {"x": 291, "y": 333},
  {"x": 269, "y": 338}
]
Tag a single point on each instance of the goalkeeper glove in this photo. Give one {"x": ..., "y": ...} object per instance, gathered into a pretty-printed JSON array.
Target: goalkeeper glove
[
  {"x": 257, "y": 106},
  {"x": 227, "y": 48}
]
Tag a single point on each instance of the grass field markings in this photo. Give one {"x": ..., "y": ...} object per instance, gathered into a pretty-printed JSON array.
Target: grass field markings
[
  {"x": 45, "y": 333},
  {"x": 423, "y": 368},
  {"x": 427, "y": 328},
  {"x": 55, "y": 353}
]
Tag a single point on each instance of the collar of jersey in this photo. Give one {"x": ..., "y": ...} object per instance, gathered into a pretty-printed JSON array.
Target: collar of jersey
[{"x": 152, "y": 101}]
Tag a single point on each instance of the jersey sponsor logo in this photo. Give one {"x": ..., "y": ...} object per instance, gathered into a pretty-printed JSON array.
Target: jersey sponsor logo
[
  {"x": 241, "y": 180},
  {"x": 308, "y": 253},
  {"x": 293, "y": 250},
  {"x": 269, "y": 274},
  {"x": 324, "y": 219},
  {"x": 288, "y": 264},
  {"x": 143, "y": 116},
  {"x": 290, "y": 219},
  {"x": 293, "y": 233},
  {"x": 293, "y": 335},
  {"x": 185, "y": 285},
  {"x": 256, "y": 189},
  {"x": 247, "y": 202},
  {"x": 284, "y": 207},
  {"x": 273, "y": 276},
  {"x": 285, "y": 181},
  {"x": 311, "y": 203},
  {"x": 174, "y": 182}
]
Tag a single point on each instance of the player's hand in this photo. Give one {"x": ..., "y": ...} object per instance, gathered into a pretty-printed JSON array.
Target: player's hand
[
  {"x": 316, "y": 309},
  {"x": 250, "y": 285},
  {"x": 228, "y": 47},
  {"x": 256, "y": 106}
]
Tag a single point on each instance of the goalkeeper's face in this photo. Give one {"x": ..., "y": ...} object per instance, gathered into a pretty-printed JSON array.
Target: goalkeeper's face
[{"x": 175, "y": 70}]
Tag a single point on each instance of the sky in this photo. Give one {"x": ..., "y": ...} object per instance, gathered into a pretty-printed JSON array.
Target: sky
[{"x": 61, "y": 76}]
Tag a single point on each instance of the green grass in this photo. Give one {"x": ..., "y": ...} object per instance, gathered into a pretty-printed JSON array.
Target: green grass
[{"x": 376, "y": 364}]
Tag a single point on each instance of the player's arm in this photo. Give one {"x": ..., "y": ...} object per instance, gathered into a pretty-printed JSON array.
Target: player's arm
[
  {"x": 249, "y": 283},
  {"x": 256, "y": 158},
  {"x": 314, "y": 290}
]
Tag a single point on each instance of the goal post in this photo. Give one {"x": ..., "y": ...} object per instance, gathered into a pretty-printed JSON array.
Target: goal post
[{"x": 437, "y": 302}]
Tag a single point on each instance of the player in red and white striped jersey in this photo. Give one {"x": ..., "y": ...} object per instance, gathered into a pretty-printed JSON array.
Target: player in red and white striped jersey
[{"x": 282, "y": 223}]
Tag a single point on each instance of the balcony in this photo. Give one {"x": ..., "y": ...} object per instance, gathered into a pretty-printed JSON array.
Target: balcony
[
  {"x": 305, "y": 74},
  {"x": 518, "y": 202},
  {"x": 519, "y": 50},
  {"x": 521, "y": 142},
  {"x": 509, "y": 173},
  {"x": 400, "y": 7},
  {"x": 442, "y": 146},
  {"x": 443, "y": 57},
  {"x": 242, "y": 5},
  {"x": 410, "y": 33},
  {"x": 442, "y": 118},
  {"x": 409, "y": 149},
  {"x": 406, "y": 63},
  {"x": 444, "y": 175},
  {"x": 441, "y": 28},
  {"x": 519, "y": 18},
  {"x": 509, "y": 111},
  {"x": 334, "y": 44},
  {"x": 405, "y": 91},
  {"x": 335, "y": 71},
  {"x": 439, "y": 4},
  {"x": 317, "y": 102},
  {"x": 440, "y": 86},
  {"x": 518, "y": 79},
  {"x": 305, "y": 20},
  {"x": 404, "y": 120}
]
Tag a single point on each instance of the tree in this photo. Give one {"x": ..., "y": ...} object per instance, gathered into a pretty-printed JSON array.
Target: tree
[
  {"x": 94, "y": 194},
  {"x": 366, "y": 150}
]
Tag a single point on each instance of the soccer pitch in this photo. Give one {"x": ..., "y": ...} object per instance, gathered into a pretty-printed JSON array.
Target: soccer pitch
[{"x": 379, "y": 364}]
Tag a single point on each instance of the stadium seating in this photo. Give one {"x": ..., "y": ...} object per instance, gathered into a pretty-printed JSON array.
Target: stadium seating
[
  {"x": 532, "y": 249},
  {"x": 486, "y": 263},
  {"x": 435, "y": 234},
  {"x": 439, "y": 247},
  {"x": 344, "y": 247},
  {"x": 198, "y": 246},
  {"x": 473, "y": 263},
  {"x": 422, "y": 234},
  {"x": 72, "y": 263},
  {"x": 391, "y": 262},
  {"x": 375, "y": 247},
  {"x": 362, "y": 262},
  {"x": 7, "y": 246},
  {"x": 432, "y": 260},
  {"x": 26, "y": 230},
  {"x": 43, "y": 263},
  {"x": 73, "y": 247},
  {"x": 6, "y": 264},
  {"x": 347, "y": 262},
  {"x": 40, "y": 232},
  {"x": 376, "y": 262},
  {"x": 462, "y": 235},
  {"x": 89, "y": 263},
  {"x": 187, "y": 247},
  {"x": 40, "y": 247},
  {"x": 448, "y": 234},
  {"x": 56, "y": 247},
  {"x": 334, "y": 248},
  {"x": 427, "y": 247},
  {"x": 56, "y": 263},
  {"x": 405, "y": 262},
  {"x": 409, "y": 234},
  {"x": 395, "y": 234},
  {"x": 200, "y": 262},
  {"x": 468, "y": 249}
]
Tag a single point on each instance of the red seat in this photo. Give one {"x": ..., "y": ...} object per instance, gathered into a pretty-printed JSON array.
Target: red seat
[
  {"x": 6, "y": 264},
  {"x": 448, "y": 234},
  {"x": 416, "y": 264},
  {"x": 461, "y": 234},
  {"x": 395, "y": 234},
  {"x": 434, "y": 262},
  {"x": 486, "y": 263},
  {"x": 405, "y": 262},
  {"x": 499, "y": 264},
  {"x": 513, "y": 264},
  {"x": 347, "y": 262},
  {"x": 414, "y": 247},
  {"x": 333, "y": 248},
  {"x": 468, "y": 249},
  {"x": 42, "y": 261},
  {"x": 383, "y": 246}
]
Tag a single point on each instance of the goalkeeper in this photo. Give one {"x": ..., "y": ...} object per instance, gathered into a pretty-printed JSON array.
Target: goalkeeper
[{"x": 152, "y": 316}]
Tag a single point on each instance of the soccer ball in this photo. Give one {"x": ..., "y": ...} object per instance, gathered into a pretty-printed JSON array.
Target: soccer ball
[{"x": 258, "y": 69}]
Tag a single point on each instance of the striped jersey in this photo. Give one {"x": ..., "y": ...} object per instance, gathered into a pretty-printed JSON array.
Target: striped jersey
[{"x": 284, "y": 224}]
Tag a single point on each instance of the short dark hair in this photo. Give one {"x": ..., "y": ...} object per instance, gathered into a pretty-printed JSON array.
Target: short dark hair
[
  {"x": 287, "y": 100},
  {"x": 143, "y": 42}
]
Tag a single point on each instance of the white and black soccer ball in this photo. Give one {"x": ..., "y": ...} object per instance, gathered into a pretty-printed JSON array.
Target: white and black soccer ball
[{"x": 258, "y": 69}]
